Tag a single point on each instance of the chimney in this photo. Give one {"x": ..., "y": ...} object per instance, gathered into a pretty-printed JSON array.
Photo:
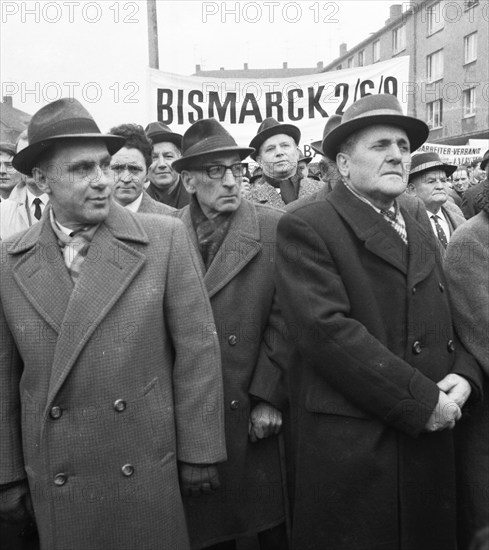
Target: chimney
[
  {"x": 284, "y": 65},
  {"x": 197, "y": 68},
  {"x": 395, "y": 11},
  {"x": 7, "y": 99},
  {"x": 343, "y": 49},
  {"x": 320, "y": 65},
  {"x": 246, "y": 66}
]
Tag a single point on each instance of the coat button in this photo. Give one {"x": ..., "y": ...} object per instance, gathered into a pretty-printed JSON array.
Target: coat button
[
  {"x": 119, "y": 405},
  {"x": 232, "y": 340},
  {"x": 234, "y": 404},
  {"x": 441, "y": 286},
  {"x": 414, "y": 289},
  {"x": 451, "y": 346},
  {"x": 55, "y": 413},
  {"x": 127, "y": 470},
  {"x": 417, "y": 347},
  {"x": 60, "y": 479}
]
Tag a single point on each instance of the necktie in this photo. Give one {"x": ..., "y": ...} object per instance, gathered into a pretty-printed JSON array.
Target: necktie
[
  {"x": 399, "y": 228},
  {"x": 439, "y": 231},
  {"x": 37, "y": 210}
]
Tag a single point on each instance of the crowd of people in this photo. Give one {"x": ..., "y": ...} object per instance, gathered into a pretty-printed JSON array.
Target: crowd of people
[{"x": 202, "y": 351}]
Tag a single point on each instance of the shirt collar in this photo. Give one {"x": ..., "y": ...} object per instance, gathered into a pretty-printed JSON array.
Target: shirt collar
[{"x": 135, "y": 204}]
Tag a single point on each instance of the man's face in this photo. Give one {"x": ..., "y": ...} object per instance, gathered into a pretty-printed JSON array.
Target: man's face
[
  {"x": 77, "y": 177},
  {"x": 129, "y": 172},
  {"x": 376, "y": 164},
  {"x": 215, "y": 196},
  {"x": 460, "y": 180},
  {"x": 432, "y": 188},
  {"x": 302, "y": 169},
  {"x": 278, "y": 156},
  {"x": 161, "y": 174},
  {"x": 9, "y": 177}
]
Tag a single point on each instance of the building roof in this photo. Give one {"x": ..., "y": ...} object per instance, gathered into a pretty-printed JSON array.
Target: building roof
[{"x": 12, "y": 121}]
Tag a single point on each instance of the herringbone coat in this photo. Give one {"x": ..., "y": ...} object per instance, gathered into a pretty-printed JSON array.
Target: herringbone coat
[{"x": 105, "y": 386}]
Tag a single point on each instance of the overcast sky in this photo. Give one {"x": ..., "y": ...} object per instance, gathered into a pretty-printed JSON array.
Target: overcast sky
[{"x": 98, "y": 50}]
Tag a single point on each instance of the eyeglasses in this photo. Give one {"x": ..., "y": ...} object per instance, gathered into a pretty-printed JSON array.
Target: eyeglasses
[{"x": 217, "y": 171}]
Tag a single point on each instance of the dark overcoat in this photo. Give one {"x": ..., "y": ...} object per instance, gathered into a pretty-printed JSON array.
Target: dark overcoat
[
  {"x": 105, "y": 386},
  {"x": 242, "y": 294},
  {"x": 373, "y": 336},
  {"x": 150, "y": 206}
]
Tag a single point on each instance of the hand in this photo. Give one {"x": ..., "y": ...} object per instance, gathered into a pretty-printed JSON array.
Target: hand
[
  {"x": 444, "y": 415},
  {"x": 265, "y": 420},
  {"x": 15, "y": 503},
  {"x": 196, "y": 479},
  {"x": 456, "y": 387}
]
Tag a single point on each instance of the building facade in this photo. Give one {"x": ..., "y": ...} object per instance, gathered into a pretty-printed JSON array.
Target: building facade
[{"x": 448, "y": 45}]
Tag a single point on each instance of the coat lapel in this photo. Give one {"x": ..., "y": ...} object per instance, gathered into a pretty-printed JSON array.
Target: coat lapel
[
  {"x": 369, "y": 226},
  {"x": 109, "y": 268}
]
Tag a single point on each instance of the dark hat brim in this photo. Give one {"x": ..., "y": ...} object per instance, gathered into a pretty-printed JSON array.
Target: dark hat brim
[
  {"x": 416, "y": 130},
  {"x": 449, "y": 169},
  {"x": 25, "y": 160},
  {"x": 485, "y": 160},
  {"x": 307, "y": 160},
  {"x": 261, "y": 137},
  {"x": 316, "y": 147},
  {"x": 171, "y": 137},
  {"x": 186, "y": 161}
]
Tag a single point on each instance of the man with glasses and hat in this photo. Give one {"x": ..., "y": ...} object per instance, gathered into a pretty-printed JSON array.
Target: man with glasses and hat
[
  {"x": 165, "y": 184},
  {"x": 110, "y": 375},
  {"x": 428, "y": 180},
  {"x": 377, "y": 376},
  {"x": 235, "y": 242},
  {"x": 278, "y": 154}
]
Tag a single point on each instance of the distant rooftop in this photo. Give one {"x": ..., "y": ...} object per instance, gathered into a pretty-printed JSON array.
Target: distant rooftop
[
  {"x": 246, "y": 72},
  {"x": 12, "y": 121}
]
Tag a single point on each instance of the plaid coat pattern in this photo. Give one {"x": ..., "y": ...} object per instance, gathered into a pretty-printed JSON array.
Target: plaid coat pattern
[{"x": 106, "y": 386}]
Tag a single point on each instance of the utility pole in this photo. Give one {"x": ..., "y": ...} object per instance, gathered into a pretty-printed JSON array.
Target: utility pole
[{"x": 152, "y": 35}]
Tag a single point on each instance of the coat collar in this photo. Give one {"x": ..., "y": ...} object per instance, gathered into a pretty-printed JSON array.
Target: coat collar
[{"x": 240, "y": 246}]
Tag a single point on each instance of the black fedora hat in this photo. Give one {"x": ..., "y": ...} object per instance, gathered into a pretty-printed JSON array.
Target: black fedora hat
[
  {"x": 370, "y": 110},
  {"x": 423, "y": 162},
  {"x": 485, "y": 160},
  {"x": 60, "y": 120},
  {"x": 332, "y": 122},
  {"x": 270, "y": 127},
  {"x": 206, "y": 137},
  {"x": 159, "y": 133},
  {"x": 302, "y": 158}
]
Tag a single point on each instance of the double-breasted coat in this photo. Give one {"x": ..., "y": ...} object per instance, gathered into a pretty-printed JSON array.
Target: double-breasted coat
[
  {"x": 106, "y": 385},
  {"x": 242, "y": 294},
  {"x": 375, "y": 335}
]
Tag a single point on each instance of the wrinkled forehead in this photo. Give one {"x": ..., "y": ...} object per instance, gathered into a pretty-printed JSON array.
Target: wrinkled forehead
[
  {"x": 78, "y": 150},
  {"x": 429, "y": 176},
  {"x": 277, "y": 139},
  {"x": 5, "y": 156},
  {"x": 227, "y": 159},
  {"x": 166, "y": 147},
  {"x": 127, "y": 155},
  {"x": 381, "y": 132}
]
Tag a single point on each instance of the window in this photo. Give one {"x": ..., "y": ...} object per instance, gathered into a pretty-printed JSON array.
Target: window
[
  {"x": 399, "y": 39},
  {"x": 360, "y": 58},
  {"x": 434, "y": 66},
  {"x": 469, "y": 102},
  {"x": 350, "y": 63},
  {"x": 470, "y": 47},
  {"x": 376, "y": 50},
  {"x": 435, "y": 19},
  {"x": 434, "y": 114}
]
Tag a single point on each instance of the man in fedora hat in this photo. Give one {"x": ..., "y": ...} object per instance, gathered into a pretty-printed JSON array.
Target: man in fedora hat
[
  {"x": 470, "y": 201},
  {"x": 428, "y": 180},
  {"x": 327, "y": 167},
  {"x": 235, "y": 241},
  {"x": 130, "y": 170},
  {"x": 277, "y": 153},
  {"x": 108, "y": 384},
  {"x": 377, "y": 377},
  {"x": 9, "y": 177},
  {"x": 165, "y": 184}
]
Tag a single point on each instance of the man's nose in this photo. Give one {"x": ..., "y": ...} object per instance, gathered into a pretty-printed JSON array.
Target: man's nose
[
  {"x": 395, "y": 153},
  {"x": 3, "y": 168},
  {"x": 229, "y": 180}
]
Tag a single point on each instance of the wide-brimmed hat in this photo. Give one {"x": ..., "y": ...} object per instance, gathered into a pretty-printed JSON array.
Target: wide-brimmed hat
[
  {"x": 302, "y": 158},
  {"x": 63, "y": 119},
  {"x": 159, "y": 133},
  {"x": 423, "y": 162},
  {"x": 370, "y": 110},
  {"x": 270, "y": 127},
  {"x": 332, "y": 122},
  {"x": 7, "y": 147},
  {"x": 206, "y": 137},
  {"x": 485, "y": 160}
]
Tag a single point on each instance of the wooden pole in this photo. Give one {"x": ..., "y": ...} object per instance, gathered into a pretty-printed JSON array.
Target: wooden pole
[{"x": 152, "y": 35}]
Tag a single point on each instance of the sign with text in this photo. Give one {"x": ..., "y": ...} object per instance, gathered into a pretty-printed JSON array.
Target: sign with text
[
  {"x": 241, "y": 104},
  {"x": 455, "y": 154}
]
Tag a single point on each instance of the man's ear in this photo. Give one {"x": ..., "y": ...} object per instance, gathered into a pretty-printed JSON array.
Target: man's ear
[
  {"x": 41, "y": 180},
  {"x": 188, "y": 181},
  {"x": 343, "y": 164},
  {"x": 411, "y": 189}
]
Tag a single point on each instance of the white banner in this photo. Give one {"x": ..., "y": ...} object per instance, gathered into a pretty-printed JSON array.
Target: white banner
[
  {"x": 455, "y": 154},
  {"x": 242, "y": 104}
]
